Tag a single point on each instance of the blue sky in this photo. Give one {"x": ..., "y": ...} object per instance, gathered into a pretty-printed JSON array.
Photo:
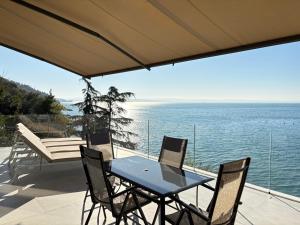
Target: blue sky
[{"x": 264, "y": 75}]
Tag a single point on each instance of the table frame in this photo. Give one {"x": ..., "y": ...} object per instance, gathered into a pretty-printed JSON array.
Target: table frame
[{"x": 161, "y": 201}]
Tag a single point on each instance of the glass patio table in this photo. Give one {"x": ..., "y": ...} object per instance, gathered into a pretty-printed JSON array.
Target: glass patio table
[{"x": 157, "y": 178}]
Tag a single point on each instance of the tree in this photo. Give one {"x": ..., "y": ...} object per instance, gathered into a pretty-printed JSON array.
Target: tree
[
  {"x": 91, "y": 96},
  {"x": 16, "y": 99},
  {"x": 90, "y": 107},
  {"x": 103, "y": 111},
  {"x": 113, "y": 115}
]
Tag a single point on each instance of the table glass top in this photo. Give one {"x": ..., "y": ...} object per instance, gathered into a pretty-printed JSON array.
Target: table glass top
[{"x": 155, "y": 177}]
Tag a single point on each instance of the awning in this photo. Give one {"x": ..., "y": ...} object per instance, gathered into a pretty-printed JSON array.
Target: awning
[{"x": 96, "y": 37}]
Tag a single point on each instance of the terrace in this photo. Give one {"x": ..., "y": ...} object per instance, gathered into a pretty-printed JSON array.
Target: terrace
[
  {"x": 55, "y": 195},
  {"x": 109, "y": 37}
]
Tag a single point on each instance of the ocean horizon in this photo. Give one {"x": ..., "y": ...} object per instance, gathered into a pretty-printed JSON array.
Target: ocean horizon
[{"x": 269, "y": 133}]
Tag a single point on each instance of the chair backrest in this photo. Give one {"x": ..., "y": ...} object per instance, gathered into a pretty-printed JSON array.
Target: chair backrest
[
  {"x": 230, "y": 183},
  {"x": 23, "y": 129},
  {"x": 99, "y": 186},
  {"x": 173, "y": 151},
  {"x": 101, "y": 141},
  {"x": 33, "y": 141}
]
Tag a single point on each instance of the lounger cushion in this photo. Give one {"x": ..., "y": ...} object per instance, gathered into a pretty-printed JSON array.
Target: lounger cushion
[
  {"x": 65, "y": 156},
  {"x": 70, "y": 148},
  {"x": 48, "y": 140},
  {"x": 52, "y": 149},
  {"x": 64, "y": 143}
]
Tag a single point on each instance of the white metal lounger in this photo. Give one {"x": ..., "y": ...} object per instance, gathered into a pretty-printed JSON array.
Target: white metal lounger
[{"x": 29, "y": 146}]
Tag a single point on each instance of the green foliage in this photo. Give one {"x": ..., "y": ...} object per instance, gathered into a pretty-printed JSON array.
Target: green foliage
[
  {"x": 92, "y": 112},
  {"x": 21, "y": 103},
  {"x": 105, "y": 111},
  {"x": 115, "y": 120},
  {"x": 15, "y": 99},
  {"x": 91, "y": 96},
  {"x": 7, "y": 129}
]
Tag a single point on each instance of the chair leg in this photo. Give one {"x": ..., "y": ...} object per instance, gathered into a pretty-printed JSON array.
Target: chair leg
[
  {"x": 140, "y": 209},
  {"x": 178, "y": 206},
  {"x": 83, "y": 205},
  {"x": 125, "y": 220},
  {"x": 104, "y": 213},
  {"x": 155, "y": 215},
  {"x": 143, "y": 216},
  {"x": 118, "y": 219},
  {"x": 99, "y": 211},
  {"x": 90, "y": 214}
]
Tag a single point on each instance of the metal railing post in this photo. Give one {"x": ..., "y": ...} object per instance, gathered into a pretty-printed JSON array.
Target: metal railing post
[
  {"x": 194, "y": 147},
  {"x": 270, "y": 160},
  {"x": 117, "y": 151},
  {"x": 148, "y": 138}
]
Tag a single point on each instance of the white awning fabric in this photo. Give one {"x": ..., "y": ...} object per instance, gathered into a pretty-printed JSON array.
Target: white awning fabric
[{"x": 101, "y": 37}]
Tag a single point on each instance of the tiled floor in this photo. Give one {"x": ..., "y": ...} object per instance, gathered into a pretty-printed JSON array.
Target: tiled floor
[{"x": 55, "y": 194}]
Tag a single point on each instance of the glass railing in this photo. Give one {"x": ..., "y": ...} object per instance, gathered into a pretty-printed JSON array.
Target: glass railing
[
  {"x": 273, "y": 148},
  {"x": 275, "y": 151},
  {"x": 42, "y": 125}
]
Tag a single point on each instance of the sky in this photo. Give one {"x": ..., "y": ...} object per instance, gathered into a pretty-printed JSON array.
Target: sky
[{"x": 269, "y": 74}]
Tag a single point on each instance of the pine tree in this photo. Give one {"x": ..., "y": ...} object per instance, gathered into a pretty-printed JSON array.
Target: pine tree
[
  {"x": 104, "y": 111},
  {"x": 90, "y": 108},
  {"x": 113, "y": 113}
]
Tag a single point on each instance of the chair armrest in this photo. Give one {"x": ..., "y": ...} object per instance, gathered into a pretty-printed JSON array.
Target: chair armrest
[{"x": 190, "y": 208}]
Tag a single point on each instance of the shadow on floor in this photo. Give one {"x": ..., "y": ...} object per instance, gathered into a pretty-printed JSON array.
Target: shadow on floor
[
  {"x": 286, "y": 203},
  {"x": 52, "y": 179}
]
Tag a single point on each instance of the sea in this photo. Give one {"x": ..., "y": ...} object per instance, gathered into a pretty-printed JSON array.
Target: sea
[{"x": 269, "y": 133}]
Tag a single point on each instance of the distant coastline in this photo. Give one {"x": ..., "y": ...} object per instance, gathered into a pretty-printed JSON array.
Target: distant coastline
[{"x": 175, "y": 100}]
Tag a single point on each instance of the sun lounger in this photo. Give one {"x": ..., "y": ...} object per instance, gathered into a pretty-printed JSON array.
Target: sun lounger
[
  {"x": 29, "y": 148},
  {"x": 51, "y": 149}
]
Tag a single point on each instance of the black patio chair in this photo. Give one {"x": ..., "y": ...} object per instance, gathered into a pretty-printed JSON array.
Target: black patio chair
[
  {"x": 223, "y": 207},
  {"x": 101, "y": 140},
  {"x": 172, "y": 153},
  {"x": 101, "y": 191}
]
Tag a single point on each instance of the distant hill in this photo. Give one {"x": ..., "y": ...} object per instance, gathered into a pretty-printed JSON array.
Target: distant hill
[
  {"x": 24, "y": 87},
  {"x": 27, "y": 88},
  {"x": 16, "y": 98}
]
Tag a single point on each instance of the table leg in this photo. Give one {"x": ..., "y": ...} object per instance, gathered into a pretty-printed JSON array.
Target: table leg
[{"x": 162, "y": 212}]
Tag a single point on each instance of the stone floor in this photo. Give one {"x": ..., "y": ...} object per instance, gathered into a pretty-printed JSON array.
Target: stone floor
[{"x": 54, "y": 195}]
